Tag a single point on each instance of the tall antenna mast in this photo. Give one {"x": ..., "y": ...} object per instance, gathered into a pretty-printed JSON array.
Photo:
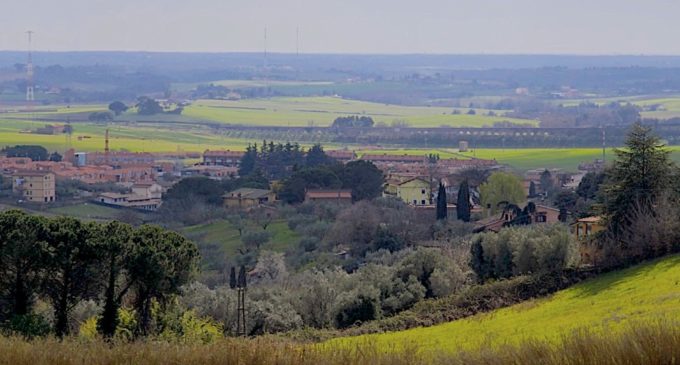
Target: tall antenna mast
[
  {"x": 265, "y": 49},
  {"x": 30, "y": 97},
  {"x": 297, "y": 53}
]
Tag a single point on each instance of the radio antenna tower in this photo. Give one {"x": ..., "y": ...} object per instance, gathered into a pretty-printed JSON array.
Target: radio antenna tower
[
  {"x": 297, "y": 41},
  {"x": 30, "y": 97},
  {"x": 297, "y": 53},
  {"x": 265, "y": 46}
]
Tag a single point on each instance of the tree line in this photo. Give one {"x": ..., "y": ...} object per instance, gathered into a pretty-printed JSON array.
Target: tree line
[
  {"x": 64, "y": 261},
  {"x": 354, "y": 121},
  {"x": 274, "y": 160}
]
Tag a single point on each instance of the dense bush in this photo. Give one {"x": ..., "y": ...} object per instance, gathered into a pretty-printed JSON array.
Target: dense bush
[
  {"x": 523, "y": 251},
  {"x": 468, "y": 302}
]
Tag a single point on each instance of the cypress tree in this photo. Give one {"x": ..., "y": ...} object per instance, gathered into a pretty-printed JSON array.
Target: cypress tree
[
  {"x": 441, "y": 203},
  {"x": 564, "y": 214},
  {"x": 242, "y": 277},
  {"x": 248, "y": 161},
  {"x": 232, "y": 278},
  {"x": 463, "y": 202},
  {"x": 532, "y": 190},
  {"x": 547, "y": 182},
  {"x": 477, "y": 262}
]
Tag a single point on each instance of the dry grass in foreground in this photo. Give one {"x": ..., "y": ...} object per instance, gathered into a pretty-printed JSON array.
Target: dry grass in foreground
[{"x": 651, "y": 344}]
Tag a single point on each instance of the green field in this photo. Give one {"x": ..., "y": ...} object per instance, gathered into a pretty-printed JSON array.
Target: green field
[
  {"x": 645, "y": 293},
  {"x": 236, "y": 84},
  {"x": 224, "y": 233},
  {"x": 537, "y": 158},
  {"x": 139, "y": 138},
  {"x": 321, "y": 111},
  {"x": 521, "y": 159}
]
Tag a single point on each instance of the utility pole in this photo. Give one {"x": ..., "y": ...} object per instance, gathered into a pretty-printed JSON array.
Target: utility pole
[
  {"x": 604, "y": 145},
  {"x": 106, "y": 147}
]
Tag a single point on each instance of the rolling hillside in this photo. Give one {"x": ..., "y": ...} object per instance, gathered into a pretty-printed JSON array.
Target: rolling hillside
[{"x": 647, "y": 293}]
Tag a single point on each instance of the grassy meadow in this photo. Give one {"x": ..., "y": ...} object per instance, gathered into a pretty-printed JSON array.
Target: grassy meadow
[
  {"x": 536, "y": 158},
  {"x": 606, "y": 305},
  {"x": 87, "y": 211},
  {"x": 521, "y": 159},
  {"x": 626, "y": 317},
  {"x": 639, "y": 344},
  {"x": 321, "y": 111},
  {"x": 139, "y": 138}
]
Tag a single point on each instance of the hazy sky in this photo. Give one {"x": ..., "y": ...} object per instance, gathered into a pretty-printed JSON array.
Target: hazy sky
[{"x": 340, "y": 26}]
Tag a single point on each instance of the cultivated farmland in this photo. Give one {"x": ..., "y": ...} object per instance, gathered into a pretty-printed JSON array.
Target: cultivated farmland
[{"x": 321, "y": 111}]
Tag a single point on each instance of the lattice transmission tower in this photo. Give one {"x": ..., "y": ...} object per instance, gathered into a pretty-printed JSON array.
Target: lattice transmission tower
[{"x": 30, "y": 96}]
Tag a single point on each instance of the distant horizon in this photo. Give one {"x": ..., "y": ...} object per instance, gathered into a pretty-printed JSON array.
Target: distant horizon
[
  {"x": 532, "y": 27},
  {"x": 38, "y": 51}
]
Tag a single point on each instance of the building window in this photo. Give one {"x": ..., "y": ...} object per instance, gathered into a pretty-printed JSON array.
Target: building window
[
  {"x": 422, "y": 191},
  {"x": 422, "y": 202}
]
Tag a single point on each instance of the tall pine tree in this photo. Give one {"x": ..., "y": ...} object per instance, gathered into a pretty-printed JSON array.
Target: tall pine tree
[
  {"x": 441, "y": 203},
  {"x": 463, "y": 203},
  {"x": 641, "y": 172}
]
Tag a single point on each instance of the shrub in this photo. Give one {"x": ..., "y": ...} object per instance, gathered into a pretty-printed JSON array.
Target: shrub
[
  {"x": 360, "y": 310},
  {"x": 27, "y": 325},
  {"x": 190, "y": 328}
]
